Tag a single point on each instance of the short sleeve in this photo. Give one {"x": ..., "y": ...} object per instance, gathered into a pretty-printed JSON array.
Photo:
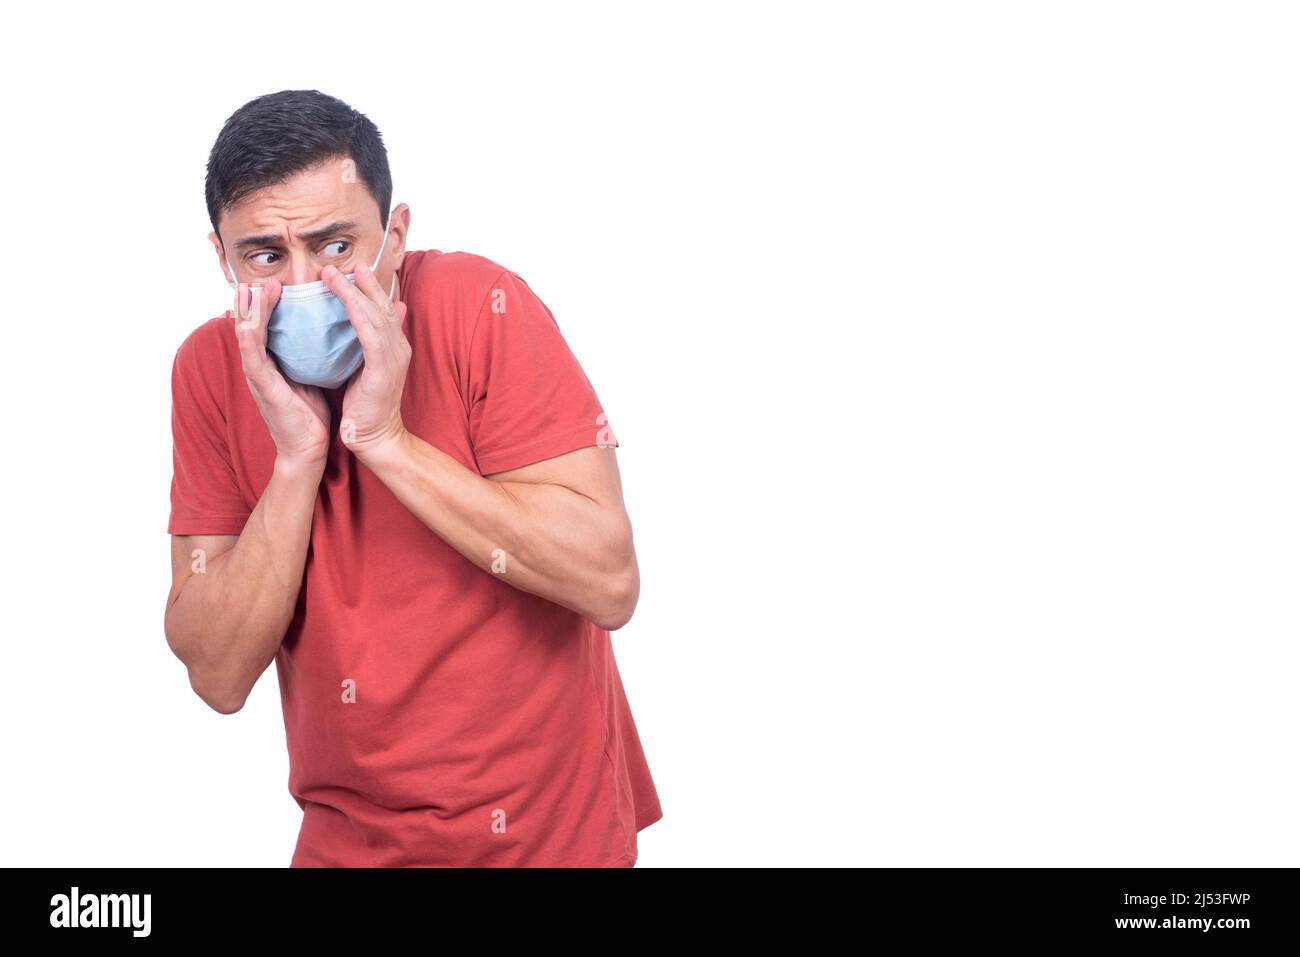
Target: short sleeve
[
  {"x": 205, "y": 496},
  {"x": 529, "y": 399}
]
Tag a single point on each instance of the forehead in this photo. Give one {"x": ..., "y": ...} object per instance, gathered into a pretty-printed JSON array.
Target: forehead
[{"x": 328, "y": 191}]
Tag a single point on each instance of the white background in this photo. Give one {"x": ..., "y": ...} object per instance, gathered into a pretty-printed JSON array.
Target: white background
[{"x": 951, "y": 349}]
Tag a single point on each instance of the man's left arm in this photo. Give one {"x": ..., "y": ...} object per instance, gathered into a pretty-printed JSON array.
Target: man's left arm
[{"x": 556, "y": 528}]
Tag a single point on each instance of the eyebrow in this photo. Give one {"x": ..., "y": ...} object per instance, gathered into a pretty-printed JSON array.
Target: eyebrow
[{"x": 273, "y": 239}]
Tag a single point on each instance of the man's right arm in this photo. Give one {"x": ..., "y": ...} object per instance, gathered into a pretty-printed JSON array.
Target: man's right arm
[
  {"x": 233, "y": 596},
  {"x": 231, "y": 603}
]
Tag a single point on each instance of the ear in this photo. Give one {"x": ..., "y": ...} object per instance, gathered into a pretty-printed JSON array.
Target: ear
[
  {"x": 221, "y": 256},
  {"x": 397, "y": 231}
]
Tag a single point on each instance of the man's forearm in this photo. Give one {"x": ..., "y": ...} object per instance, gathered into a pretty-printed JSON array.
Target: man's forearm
[
  {"x": 227, "y": 622},
  {"x": 547, "y": 540}
]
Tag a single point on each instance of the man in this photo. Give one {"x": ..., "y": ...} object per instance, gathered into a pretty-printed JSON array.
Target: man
[{"x": 402, "y": 488}]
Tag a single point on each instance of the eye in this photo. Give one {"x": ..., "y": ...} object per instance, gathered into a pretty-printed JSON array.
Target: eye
[
  {"x": 329, "y": 247},
  {"x": 263, "y": 262}
]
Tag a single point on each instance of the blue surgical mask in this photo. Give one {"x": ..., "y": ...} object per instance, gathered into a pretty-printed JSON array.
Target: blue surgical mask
[{"x": 310, "y": 335}]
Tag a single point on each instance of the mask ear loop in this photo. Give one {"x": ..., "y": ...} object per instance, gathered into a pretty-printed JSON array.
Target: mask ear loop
[
  {"x": 233, "y": 282},
  {"x": 379, "y": 255}
]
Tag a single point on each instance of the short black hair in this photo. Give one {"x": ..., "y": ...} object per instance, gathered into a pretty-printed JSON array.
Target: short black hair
[{"x": 273, "y": 137}]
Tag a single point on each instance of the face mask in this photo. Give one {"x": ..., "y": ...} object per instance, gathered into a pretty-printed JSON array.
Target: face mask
[{"x": 310, "y": 335}]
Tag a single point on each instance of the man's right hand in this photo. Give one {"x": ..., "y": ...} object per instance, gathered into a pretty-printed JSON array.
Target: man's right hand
[{"x": 297, "y": 415}]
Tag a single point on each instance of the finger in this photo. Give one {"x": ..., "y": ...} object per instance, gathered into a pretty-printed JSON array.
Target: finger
[
  {"x": 359, "y": 309},
  {"x": 253, "y": 311},
  {"x": 341, "y": 287},
  {"x": 250, "y": 334},
  {"x": 399, "y": 323},
  {"x": 402, "y": 345},
  {"x": 352, "y": 297},
  {"x": 389, "y": 319},
  {"x": 369, "y": 285}
]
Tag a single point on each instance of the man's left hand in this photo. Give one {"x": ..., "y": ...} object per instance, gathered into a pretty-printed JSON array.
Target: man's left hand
[{"x": 372, "y": 404}]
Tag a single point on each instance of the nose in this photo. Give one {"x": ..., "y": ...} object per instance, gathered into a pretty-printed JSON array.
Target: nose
[{"x": 299, "y": 270}]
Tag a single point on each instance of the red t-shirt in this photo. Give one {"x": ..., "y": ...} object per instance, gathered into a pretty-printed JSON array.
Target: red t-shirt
[{"x": 489, "y": 726}]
